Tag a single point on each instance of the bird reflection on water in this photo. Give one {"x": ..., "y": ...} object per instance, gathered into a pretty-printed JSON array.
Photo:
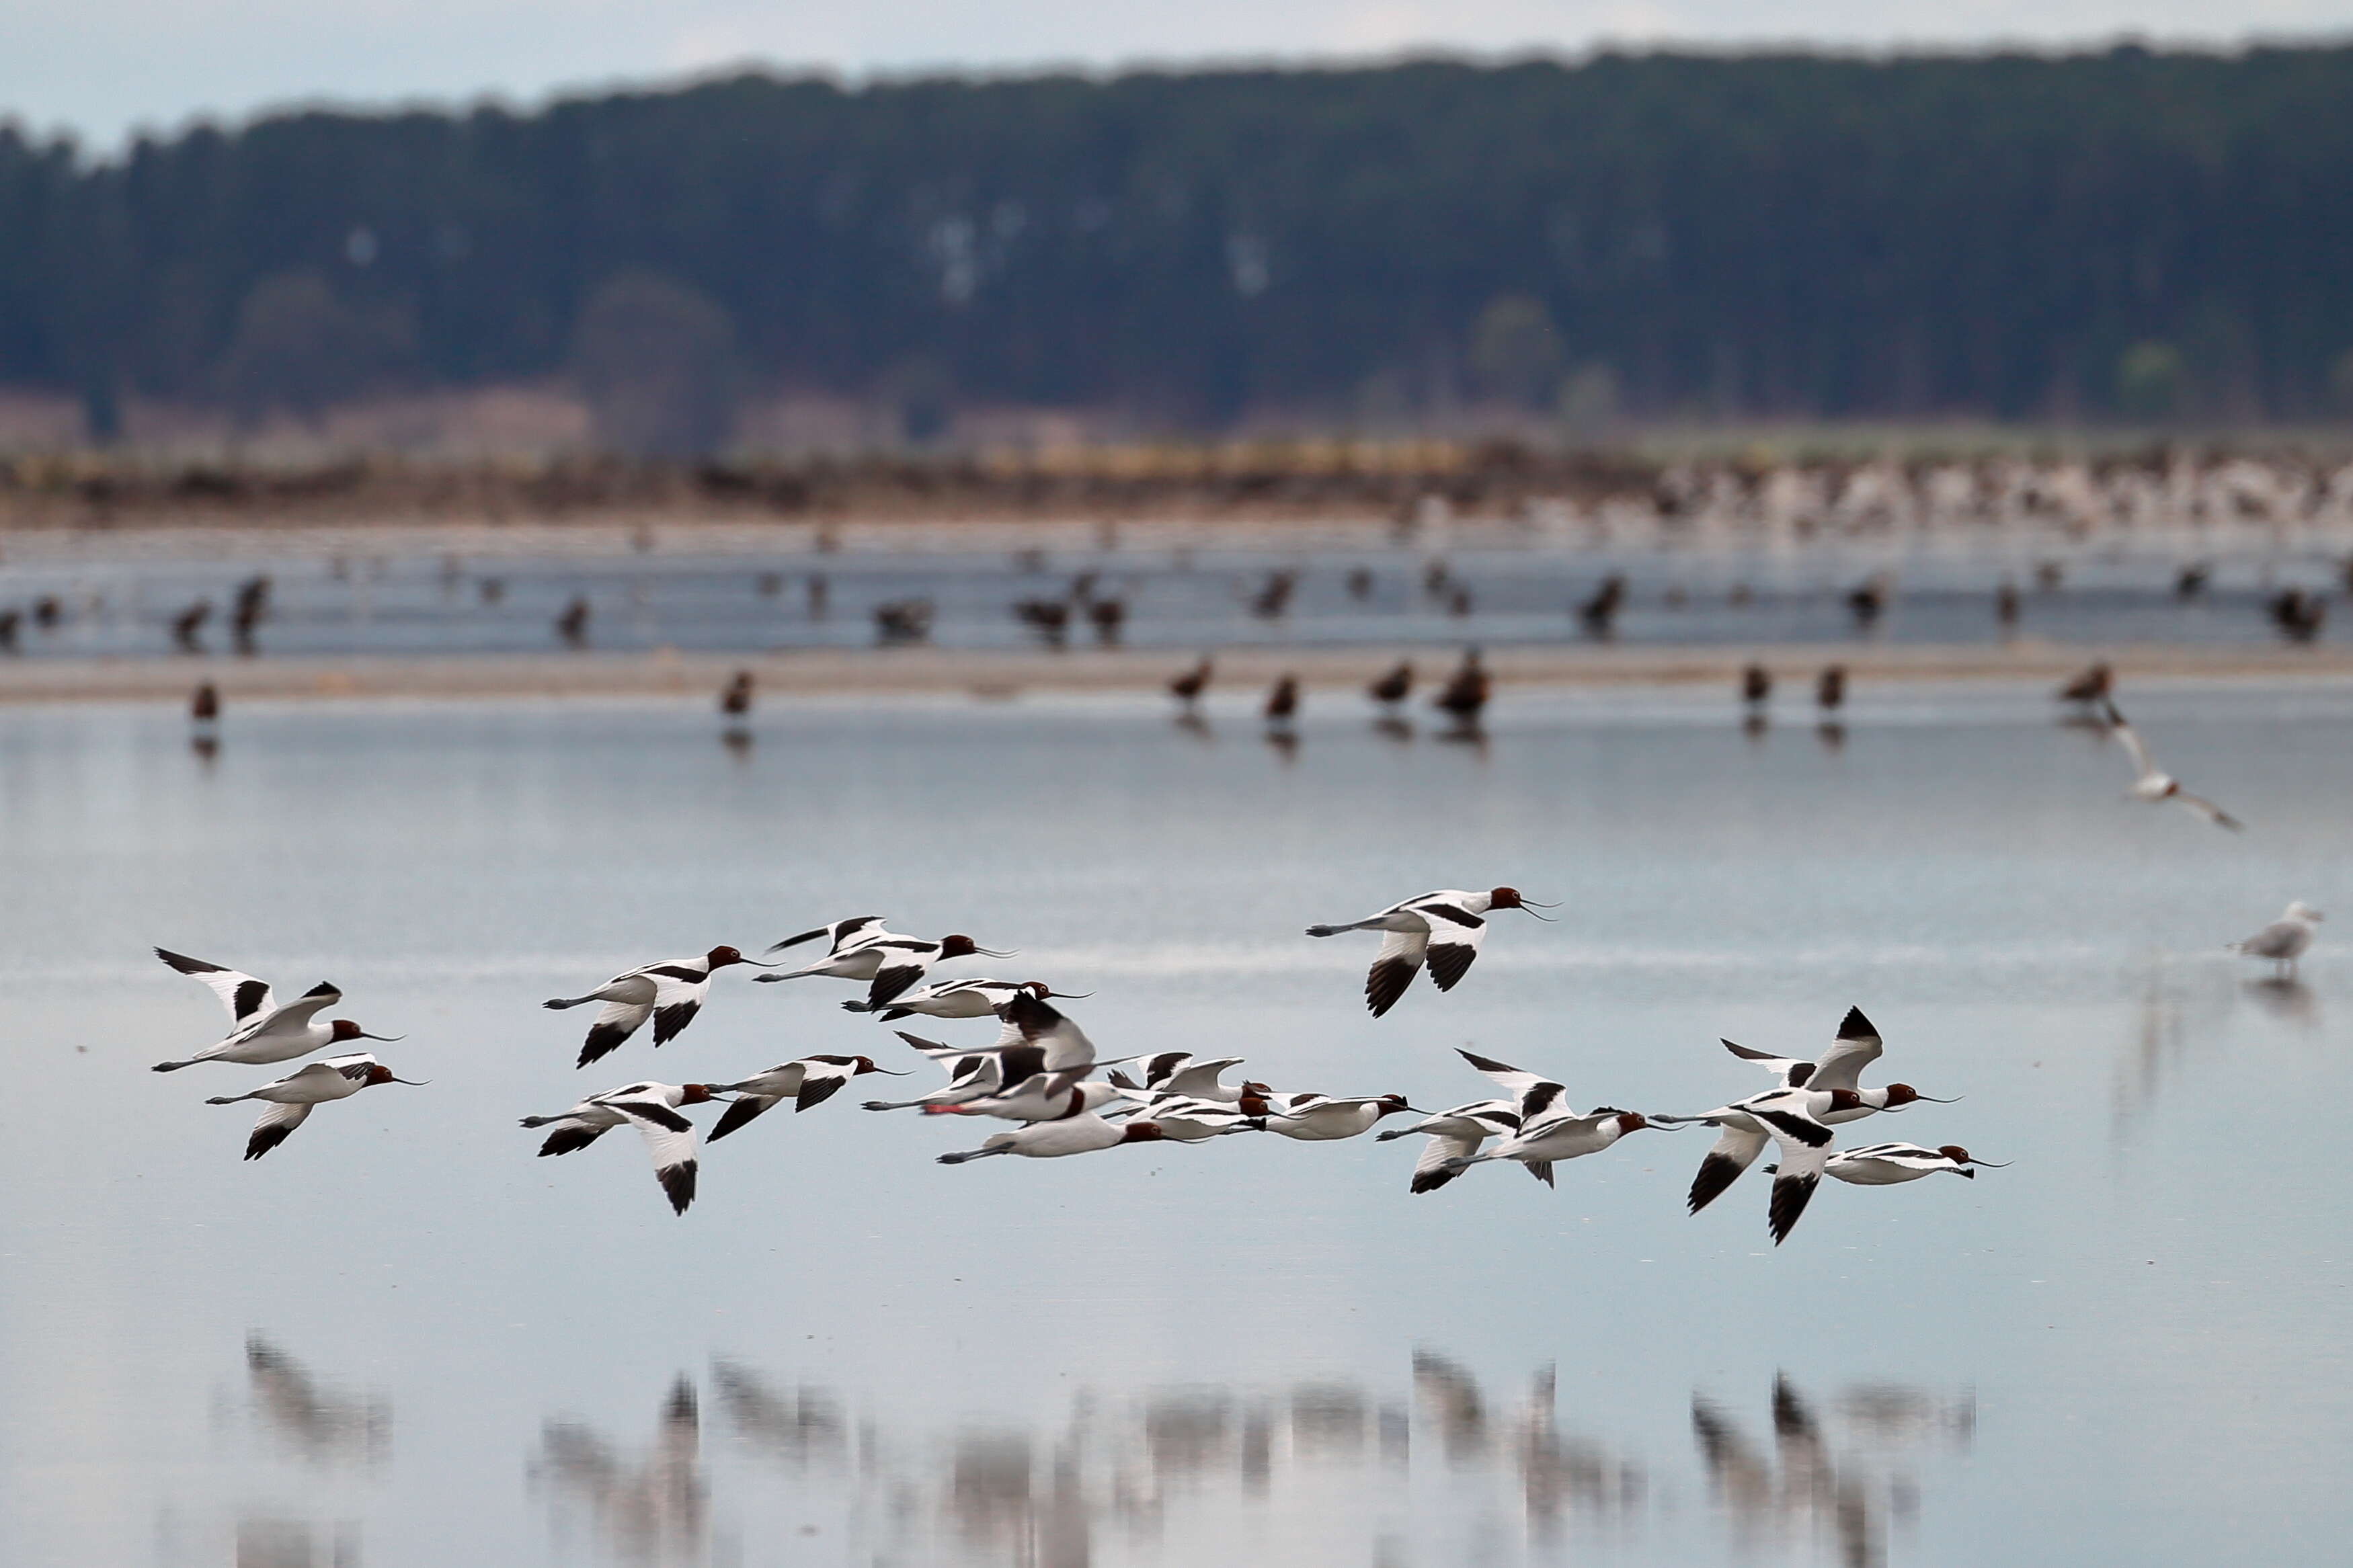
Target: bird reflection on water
[
  {"x": 2289, "y": 1001},
  {"x": 327, "y": 1430},
  {"x": 1196, "y": 1473}
]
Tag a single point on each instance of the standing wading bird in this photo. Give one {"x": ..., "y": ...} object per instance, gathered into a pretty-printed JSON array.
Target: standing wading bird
[
  {"x": 2088, "y": 685},
  {"x": 291, "y": 1097},
  {"x": 1466, "y": 692},
  {"x": 735, "y": 701},
  {"x": 1282, "y": 703},
  {"x": 669, "y": 992},
  {"x": 262, "y": 1031},
  {"x": 2283, "y": 941},
  {"x": 653, "y": 1109},
  {"x": 1755, "y": 685},
  {"x": 1443, "y": 929},
  {"x": 1829, "y": 689},
  {"x": 1393, "y": 688},
  {"x": 812, "y": 1081},
  {"x": 2154, "y": 783},
  {"x": 205, "y": 706},
  {"x": 1188, "y": 688}
]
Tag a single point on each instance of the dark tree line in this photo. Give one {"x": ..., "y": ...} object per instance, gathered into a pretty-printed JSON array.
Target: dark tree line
[{"x": 2129, "y": 232}]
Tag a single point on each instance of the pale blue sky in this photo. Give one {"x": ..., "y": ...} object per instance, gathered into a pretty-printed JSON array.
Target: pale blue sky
[{"x": 102, "y": 67}]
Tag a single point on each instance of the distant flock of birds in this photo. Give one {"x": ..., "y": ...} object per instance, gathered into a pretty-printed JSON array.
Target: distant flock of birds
[{"x": 1040, "y": 1071}]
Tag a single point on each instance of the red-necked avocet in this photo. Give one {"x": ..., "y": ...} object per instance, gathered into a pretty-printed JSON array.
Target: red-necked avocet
[
  {"x": 957, "y": 999},
  {"x": 891, "y": 964},
  {"x": 262, "y": 1031},
  {"x": 1884, "y": 1164},
  {"x": 1798, "y": 1120},
  {"x": 1454, "y": 1136},
  {"x": 1183, "y": 1074},
  {"x": 2285, "y": 940},
  {"x": 972, "y": 1075},
  {"x": 653, "y": 1109},
  {"x": 841, "y": 939},
  {"x": 1856, "y": 1047},
  {"x": 1441, "y": 929},
  {"x": 1076, "y": 1132},
  {"x": 2154, "y": 783},
  {"x": 290, "y": 1099},
  {"x": 1321, "y": 1117},
  {"x": 811, "y": 1080},
  {"x": 670, "y": 993}
]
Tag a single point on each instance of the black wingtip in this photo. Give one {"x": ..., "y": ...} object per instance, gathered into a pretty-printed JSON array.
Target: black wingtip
[
  {"x": 678, "y": 1182},
  {"x": 738, "y": 1112},
  {"x": 1790, "y": 1195},
  {"x": 1485, "y": 1064},
  {"x": 1431, "y": 1180},
  {"x": 602, "y": 1041},
  {"x": 325, "y": 988},
  {"x": 264, "y": 1139},
  {"x": 184, "y": 965},
  {"x": 1855, "y": 1027}
]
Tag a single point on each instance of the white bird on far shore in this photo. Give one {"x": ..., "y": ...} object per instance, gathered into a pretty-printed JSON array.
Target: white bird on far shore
[{"x": 2285, "y": 939}]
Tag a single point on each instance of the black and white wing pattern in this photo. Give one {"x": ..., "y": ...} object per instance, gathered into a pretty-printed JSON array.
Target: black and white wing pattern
[
  {"x": 1453, "y": 939},
  {"x": 669, "y": 1139},
  {"x": 905, "y": 961},
  {"x": 245, "y": 997},
  {"x": 1793, "y": 1074},
  {"x": 840, "y": 934},
  {"x": 1857, "y": 1047},
  {"x": 1805, "y": 1147},
  {"x": 678, "y": 990},
  {"x": 274, "y": 1126},
  {"x": 1393, "y": 967},
  {"x": 1539, "y": 1099},
  {"x": 614, "y": 1024},
  {"x": 1735, "y": 1148},
  {"x": 296, "y": 1014}
]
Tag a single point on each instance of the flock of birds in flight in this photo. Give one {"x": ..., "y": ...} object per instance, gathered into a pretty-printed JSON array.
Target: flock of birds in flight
[{"x": 1040, "y": 1073}]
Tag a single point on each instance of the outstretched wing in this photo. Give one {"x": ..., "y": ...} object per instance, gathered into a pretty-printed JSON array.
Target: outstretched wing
[
  {"x": 295, "y": 1015},
  {"x": 2130, "y": 737},
  {"x": 1794, "y": 1074},
  {"x": 1805, "y": 1150},
  {"x": 1735, "y": 1150},
  {"x": 2208, "y": 809},
  {"x": 1454, "y": 937},
  {"x": 678, "y": 990},
  {"x": 821, "y": 1081},
  {"x": 742, "y": 1110},
  {"x": 1857, "y": 1047},
  {"x": 1394, "y": 968},
  {"x": 669, "y": 1139},
  {"x": 273, "y": 1126},
  {"x": 616, "y": 1022},
  {"x": 245, "y": 997},
  {"x": 1438, "y": 1151},
  {"x": 1538, "y": 1098}
]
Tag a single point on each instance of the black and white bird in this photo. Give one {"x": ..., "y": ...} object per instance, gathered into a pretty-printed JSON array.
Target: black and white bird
[
  {"x": 959, "y": 999},
  {"x": 1184, "y": 1074},
  {"x": 1547, "y": 1129},
  {"x": 1856, "y": 1046},
  {"x": 1453, "y": 1135},
  {"x": 653, "y": 1109},
  {"x": 972, "y": 1075},
  {"x": 1798, "y": 1120},
  {"x": 289, "y": 1101},
  {"x": 260, "y": 1030},
  {"x": 1884, "y": 1164},
  {"x": 1443, "y": 929},
  {"x": 670, "y": 993},
  {"x": 811, "y": 1080},
  {"x": 842, "y": 939},
  {"x": 891, "y": 965},
  {"x": 2285, "y": 939},
  {"x": 1076, "y": 1132},
  {"x": 2154, "y": 783},
  {"x": 1322, "y": 1118},
  {"x": 1184, "y": 1119}
]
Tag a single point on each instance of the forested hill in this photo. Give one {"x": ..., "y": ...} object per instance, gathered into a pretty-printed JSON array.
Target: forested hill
[{"x": 2128, "y": 232}]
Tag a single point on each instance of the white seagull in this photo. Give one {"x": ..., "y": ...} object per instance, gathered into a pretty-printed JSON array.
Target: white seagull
[
  {"x": 291, "y": 1098},
  {"x": 1453, "y": 1135},
  {"x": 1441, "y": 929},
  {"x": 670, "y": 993},
  {"x": 1076, "y": 1132},
  {"x": 2285, "y": 940},
  {"x": 2154, "y": 783},
  {"x": 653, "y": 1109},
  {"x": 262, "y": 1031},
  {"x": 1884, "y": 1164},
  {"x": 811, "y": 1080}
]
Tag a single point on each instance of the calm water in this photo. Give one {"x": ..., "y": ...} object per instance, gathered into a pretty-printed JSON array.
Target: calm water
[
  {"x": 401, "y": 1339},
  {"x": 392, "y": 605}
]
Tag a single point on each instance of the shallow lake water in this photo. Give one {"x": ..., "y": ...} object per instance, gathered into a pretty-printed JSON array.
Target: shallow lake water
[{"x": 401, "y": 1339}]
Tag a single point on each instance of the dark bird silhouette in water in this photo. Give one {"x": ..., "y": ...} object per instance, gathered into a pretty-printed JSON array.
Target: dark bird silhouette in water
[
  {"x": 2190, "y": 580},
  {"x": 572, "y": 625},
  {"x": 735, "y": 700},
  {"x": 1282, "y": 703},
  {"x": 1273, "y": 601},
  {"x": 1867, "y": 601},
  {"x": 47, "y": 612},
  {"x": 10, "y": 620},
  {"x": 251, "y": 609},
  {"x": 1360, "y": 583},
  {"x": 903, "y": 621},
  {"x": 819, "y": 592},
  {"x": 188, "y": 623},
  {"x": 2049, "y": 575},
  {"x": 1188, "y": 688},
  {"x": 1829, "y": 689},
  {"x": 1466, "y": 692},
  {"x": 205, "y": 706},
  {"x": 1756, "y": 684},
  {"x": 1598, "y": 614},
  {"x": 1394, "y": 688},
  {"x": 1109, "y": 619},
  {"x": 2088, "y": 686},
  {"x": 2005, "y": 605},
  {"x": 493, "y": 590},
  {"x": 1049, "y": 618},
  {"x": 2297, "y": 613}
]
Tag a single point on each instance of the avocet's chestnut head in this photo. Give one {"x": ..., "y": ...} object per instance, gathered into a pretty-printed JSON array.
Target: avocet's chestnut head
[
  {"x": 866, "y": 1065},
  {"x": 1252, "y": 1104},
  {"x": 720, "y": 957},
  {"x": 1901, "y": 1094},
  {"x": 1955, "y": 1153},
  {"x": 1505, "y": 899},
  {"x": 696, "y": 1093},
  {"x": 1253, "y": 1087},
  {"x": 1140, "y": 1132},
  {"x": 1390, "y": 1104},
  {"x": 379, "y": 1073},
  {"x": 1846, "y": 1099},
  {"x": 345, "y": 1029},
  {"x": 1632, "y": 1122}
]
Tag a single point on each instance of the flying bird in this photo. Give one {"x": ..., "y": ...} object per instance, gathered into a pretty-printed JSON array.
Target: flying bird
[
  {"x": 811, "y": 1080},
  {"x": 653, "y": 1109},
  {"x": 670, "y": 993},
  {"x": 1884, "y": 1164},
  {"x": 261, "y": 1031},
  {"x": 289, "y": 1101},
  {"x": 1453, "y": 1136},
  {"x": 1076, "y": 1132},
  {"x": 1443, "y": 929},
  {"x": 2154, "y": 783}
]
